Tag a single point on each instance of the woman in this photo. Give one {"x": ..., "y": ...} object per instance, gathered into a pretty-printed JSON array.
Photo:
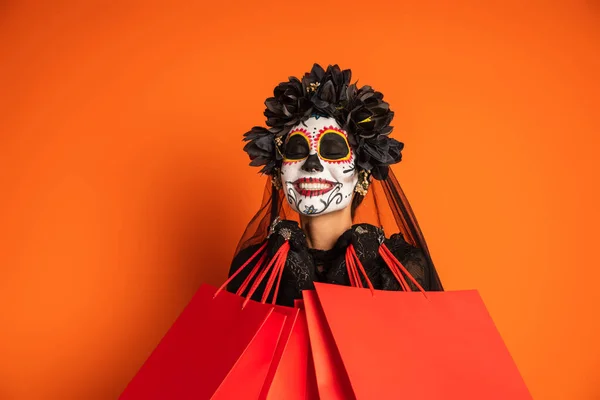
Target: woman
[{"x": 327, "y": 152}]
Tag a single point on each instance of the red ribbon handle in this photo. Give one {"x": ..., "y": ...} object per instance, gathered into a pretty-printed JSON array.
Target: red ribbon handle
[
  {"x": 353, "y": 266},
  {"x": 259, "y": 272},
  {"x": 240, "y": 269},
  {"x": 398, "y": 269}
]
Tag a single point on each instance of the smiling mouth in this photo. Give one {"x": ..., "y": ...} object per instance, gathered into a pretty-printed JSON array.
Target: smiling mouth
[{"x": 310, "y": 187}]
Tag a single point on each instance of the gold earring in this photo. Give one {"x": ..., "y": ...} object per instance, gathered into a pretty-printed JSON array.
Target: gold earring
[
  {"x": 276, "y": 179},
  {"x": 362, "y": 186},
  {"x": 278, "y": 143}
]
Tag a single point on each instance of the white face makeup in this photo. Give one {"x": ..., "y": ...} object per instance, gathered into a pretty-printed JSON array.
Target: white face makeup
[{"x": 318, "y": 174}]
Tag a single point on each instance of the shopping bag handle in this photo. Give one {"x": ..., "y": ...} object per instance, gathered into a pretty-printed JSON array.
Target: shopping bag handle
[
  {"x": 240, "y": 269},
  {"x": 353, "y": 266},
  {"x": 259, "y": 273},
  {"x": 397, "y": 269}
]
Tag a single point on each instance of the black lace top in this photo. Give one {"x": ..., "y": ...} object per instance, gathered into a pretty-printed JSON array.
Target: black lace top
[{"x": 305, "y": 265}]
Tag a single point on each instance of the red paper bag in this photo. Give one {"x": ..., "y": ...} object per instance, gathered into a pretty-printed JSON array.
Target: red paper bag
[
  {"x": 312, "y": 391},
  {"x": 330, "y": 375},
  {"x": 407, "y": 345},
  {"x": 292, "y": 375},
  {"x": 213, "y": 349},
  {"x": 280, "y": 351}
]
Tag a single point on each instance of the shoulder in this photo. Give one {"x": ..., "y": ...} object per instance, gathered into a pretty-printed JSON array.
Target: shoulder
[
  {"x": 398, "y": 244},
  {"x": 404, "y": 251}
]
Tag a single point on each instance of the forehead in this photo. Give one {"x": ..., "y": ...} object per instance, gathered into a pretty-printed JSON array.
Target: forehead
[{"x": 314, "y": 125}]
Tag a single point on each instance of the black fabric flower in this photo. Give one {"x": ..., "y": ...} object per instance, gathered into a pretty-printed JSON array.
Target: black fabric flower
[
  {"x": 361, "y": 112},
  {"x": 288, "y": 107},
  {"x": 367, "y": 118},
  {"x": 377, "y": 154},
  {"x": 261, "y": 149},
  {"x": 330, "y": 94}
]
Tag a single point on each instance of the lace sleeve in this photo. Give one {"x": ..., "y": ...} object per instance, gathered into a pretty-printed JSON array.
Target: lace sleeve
[{"x": 415, "y": 261}]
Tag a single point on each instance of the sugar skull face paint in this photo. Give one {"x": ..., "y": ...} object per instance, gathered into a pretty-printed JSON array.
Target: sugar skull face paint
[{"x": 318, "y": 173}]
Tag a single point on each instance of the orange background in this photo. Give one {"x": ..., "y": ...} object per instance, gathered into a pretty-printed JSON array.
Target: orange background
[{"x": 124, "y": 185}]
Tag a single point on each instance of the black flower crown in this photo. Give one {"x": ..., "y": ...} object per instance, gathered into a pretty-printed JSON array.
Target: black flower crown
[{"x": 361, "y": 112}]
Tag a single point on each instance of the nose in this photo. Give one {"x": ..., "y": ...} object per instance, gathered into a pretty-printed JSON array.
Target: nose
[{"x": 312, "y": 164}]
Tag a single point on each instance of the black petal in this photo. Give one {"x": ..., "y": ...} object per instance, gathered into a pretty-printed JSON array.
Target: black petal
[{"x": 361, "y": 111}]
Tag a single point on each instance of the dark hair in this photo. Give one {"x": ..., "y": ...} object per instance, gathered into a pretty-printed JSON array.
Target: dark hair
[{"x": 356, "y": 200}]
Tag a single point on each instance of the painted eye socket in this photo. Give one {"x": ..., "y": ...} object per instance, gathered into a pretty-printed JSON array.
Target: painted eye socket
[
  {"x": 333, "y": 146},
  {"x": 297, "y": 148}
]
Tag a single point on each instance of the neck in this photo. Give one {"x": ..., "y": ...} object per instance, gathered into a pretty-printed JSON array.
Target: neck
[{"x": 323, "y": 231}]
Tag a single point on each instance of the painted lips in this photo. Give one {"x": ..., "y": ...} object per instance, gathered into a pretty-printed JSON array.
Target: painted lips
[{"x": 310, "y": 187}]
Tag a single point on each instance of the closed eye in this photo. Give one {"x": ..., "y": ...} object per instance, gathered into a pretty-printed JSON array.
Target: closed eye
[
  {"x": 297, "y": 147},
  {"x": 333, "y": 146}
]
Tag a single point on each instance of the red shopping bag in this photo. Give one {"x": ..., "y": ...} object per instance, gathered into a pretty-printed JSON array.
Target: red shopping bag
[
  {"x": 330, "y": 375},
  {"x": 292, "y": 373},
  {"x": 283, "y": 347},
  {"x": 211, "y": 340},
  {"x": 221, "y": 346},
  {"x": 312, "y": 391},
  {"x": 434, "y": 345}
]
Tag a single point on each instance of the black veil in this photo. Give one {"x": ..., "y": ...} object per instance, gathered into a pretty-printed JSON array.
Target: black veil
[{"x": 385, "y": 205}]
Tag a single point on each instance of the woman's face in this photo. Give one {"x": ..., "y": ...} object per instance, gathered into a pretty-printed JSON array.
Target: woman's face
[{"x": 318, "y": 174}]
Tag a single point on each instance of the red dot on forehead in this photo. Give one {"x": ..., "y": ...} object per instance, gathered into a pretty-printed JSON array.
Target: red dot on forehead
[{"x": 313, "y": 136}]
